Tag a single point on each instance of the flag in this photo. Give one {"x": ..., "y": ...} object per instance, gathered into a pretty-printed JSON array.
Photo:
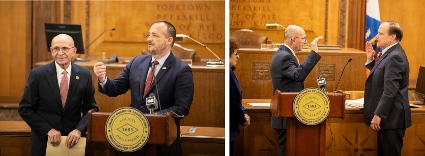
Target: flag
[{"x": 372, "y": 21}]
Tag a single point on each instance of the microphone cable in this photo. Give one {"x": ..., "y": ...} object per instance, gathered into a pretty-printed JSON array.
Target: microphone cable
[{"x": 156, "y": 88}]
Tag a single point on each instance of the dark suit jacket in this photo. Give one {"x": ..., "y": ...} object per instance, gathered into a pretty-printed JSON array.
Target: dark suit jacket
[
  {"x": 175, "y": 87},
  {"x": 386, "y": 90},
  {"x": 237, "y": 111},
  {"x": 288, "y": 75},
  {"x": 41, "y": 105}
]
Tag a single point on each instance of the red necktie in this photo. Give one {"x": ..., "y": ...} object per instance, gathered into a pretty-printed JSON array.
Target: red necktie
[
  {"x": 64, "y": 88},
  {"x": 150, "y": 77}
]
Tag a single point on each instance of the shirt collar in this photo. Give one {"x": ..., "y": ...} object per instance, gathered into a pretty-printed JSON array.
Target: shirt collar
[
  {"x": 59, "y": 70},
  {"x": 386, "y": 49},
  {"x": 162, "y": 60},
  {"x": 290, "y": 49}
]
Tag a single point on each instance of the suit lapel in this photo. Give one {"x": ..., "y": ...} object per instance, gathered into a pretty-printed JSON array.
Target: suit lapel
[
  {"x": 287, "y": 50},
  {"x": 74, "y": 79},
  {"x": 165, "y": 67},
  {"x": 144, "y": 66},
  {"x": 52, "y": 78},
  {"x": 383, "y": 57}
]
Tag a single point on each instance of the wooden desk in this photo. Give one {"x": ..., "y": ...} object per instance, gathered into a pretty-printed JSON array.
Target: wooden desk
[
  {"x": 202, "y": 140},
  {"x": 348, "y": 136},
  {"x": 207, "y": 108},
  {"x": 253, "y": 70},
  {"x": 15, "y": 140}
]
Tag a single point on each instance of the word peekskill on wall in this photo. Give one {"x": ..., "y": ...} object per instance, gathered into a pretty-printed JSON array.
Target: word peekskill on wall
[
  {"x": 253, "y": 13},
  {"x": 201, "y": 20}
]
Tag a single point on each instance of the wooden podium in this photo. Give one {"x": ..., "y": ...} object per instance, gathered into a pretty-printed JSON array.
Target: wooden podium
[
  {"x": 163, "y": 131},
  {"x": 301, "y": 139}
]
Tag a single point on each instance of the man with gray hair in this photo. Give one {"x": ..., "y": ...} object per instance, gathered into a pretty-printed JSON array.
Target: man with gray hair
[
  {"x": 288, "y": 74},
  {"x": 57, "y": 98}
]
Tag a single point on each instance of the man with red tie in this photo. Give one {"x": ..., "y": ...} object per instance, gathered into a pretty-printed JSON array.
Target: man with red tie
[
  {"x": 159, "y": 73},
  {"x": 386, "y": 102},
  {"x": 55, "y": 96}
]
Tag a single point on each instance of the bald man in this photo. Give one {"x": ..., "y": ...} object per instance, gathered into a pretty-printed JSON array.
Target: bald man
[
  {"x": 54, "y": 98},
  {"x": 386, "y": 101},
  {"x": 159, "y": 74},
  {"x": 288, "y": 74}
]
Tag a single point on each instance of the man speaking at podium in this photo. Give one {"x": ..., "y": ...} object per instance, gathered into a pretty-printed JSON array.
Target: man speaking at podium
[
  {"x": 160, "y": 73},
  {"x": 288, "y": 74},
  {"x": 386, "y": 102}
]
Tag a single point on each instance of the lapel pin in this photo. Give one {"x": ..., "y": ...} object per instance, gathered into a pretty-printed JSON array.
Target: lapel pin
[
  {"x": 164, "y": 67},
  {"x": 77, "y": 77}
]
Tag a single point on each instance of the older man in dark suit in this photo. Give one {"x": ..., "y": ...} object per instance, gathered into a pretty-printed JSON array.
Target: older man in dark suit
[
  {"x": 386, "y": 107},
  {"x": 288, "y": 74},
  {"x": 55, "y": 97},
  {"x": 172, "y": 83}
]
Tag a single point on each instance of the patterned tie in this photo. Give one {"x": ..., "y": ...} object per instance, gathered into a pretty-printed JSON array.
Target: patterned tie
[
  {"x": 150, "y": 77},
  {"x": 64, "y": 87}
]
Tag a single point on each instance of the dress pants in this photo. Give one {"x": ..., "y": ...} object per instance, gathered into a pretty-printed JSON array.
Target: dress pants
[
  {"x": 281, "y": 139},
  {"x": 390, "y": 142}
]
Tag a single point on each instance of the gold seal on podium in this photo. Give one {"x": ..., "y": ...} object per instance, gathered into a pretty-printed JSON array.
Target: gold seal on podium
[
  {"x": 127, "y": 129},
  {"x": 311, "y": 106}
]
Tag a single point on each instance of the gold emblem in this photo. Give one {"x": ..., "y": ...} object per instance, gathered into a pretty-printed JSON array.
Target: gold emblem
[
  {"x": 127, "y": 129},
  {"x": 77, "y": 77},
  {"x": 311, "y": 106}
]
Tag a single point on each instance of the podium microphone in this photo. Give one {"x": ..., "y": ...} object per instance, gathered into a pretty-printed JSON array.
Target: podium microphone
[
  {"x": 349, "y": 60},
  {"x": 151, "y": 102},
  {"x": 85, "y": 49}
]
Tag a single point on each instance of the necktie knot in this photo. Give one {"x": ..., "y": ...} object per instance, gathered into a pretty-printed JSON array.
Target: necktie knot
[{"x": 155, "y": 62}]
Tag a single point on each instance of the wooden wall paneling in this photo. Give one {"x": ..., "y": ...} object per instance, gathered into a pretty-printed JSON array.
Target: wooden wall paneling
[
  {"x": 8, "y": 49},
  {"x": 409, "y": 15},
  {"x": 202, "y": 20},
  {"x": 333, "y": 26},
  {"x": 356, "y": 24},
  {"x": 15, "y": 62},
  {"x": 208, "y": 101},
  {"x": 254, "y": 16},
  {"x": 43, "y": 12},
  {"x": 132, "y": 49},
  {"x": 95, "y": 23}
]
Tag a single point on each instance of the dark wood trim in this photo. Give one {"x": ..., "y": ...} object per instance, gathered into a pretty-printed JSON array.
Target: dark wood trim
[{"x": 9, "y": 99}]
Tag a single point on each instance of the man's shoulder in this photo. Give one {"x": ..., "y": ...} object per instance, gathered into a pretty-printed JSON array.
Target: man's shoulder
[{"x": 43, "y": 67}]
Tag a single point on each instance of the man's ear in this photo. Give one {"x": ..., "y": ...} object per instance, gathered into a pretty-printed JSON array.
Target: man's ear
[{"x": 170, "y": 40}]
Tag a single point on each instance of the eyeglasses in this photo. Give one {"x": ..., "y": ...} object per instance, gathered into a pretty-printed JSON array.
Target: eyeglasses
[
  {"x": 57, "y": 49},
  {"x": 302, "y": 38}
]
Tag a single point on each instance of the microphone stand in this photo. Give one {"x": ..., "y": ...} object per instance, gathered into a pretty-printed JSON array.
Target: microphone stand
[
  {"x": 78, "y": 59},
  {"x": 209, "y": 63},
  {"x": 151, "y": 110},
  {"x": 349, "y": 60}
]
